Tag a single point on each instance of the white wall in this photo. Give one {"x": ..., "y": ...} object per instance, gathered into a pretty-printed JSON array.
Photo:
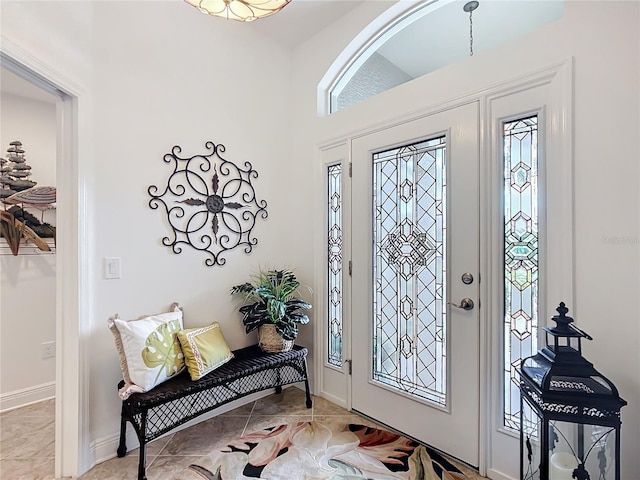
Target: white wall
[
  {"x": 169, "y": 75},
  {"x": 155, "y": 75},
  {"x": 603, "y": 39},
  {"x": 27, "y": 282},
  {"x": 184, "y": 79},
  {"x": 27, "y": 319}
]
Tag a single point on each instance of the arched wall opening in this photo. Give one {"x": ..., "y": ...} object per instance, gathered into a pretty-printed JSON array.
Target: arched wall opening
[{"x": 411, "y": 40}]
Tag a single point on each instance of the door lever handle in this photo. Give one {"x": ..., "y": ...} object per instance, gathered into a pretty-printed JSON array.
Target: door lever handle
[{"x": 465, "y": 304}]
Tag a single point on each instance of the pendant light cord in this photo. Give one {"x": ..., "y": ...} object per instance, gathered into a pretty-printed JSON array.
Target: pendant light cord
[
  {"x": 470, "y": 7},
  {"x": 471, "y": 33}
]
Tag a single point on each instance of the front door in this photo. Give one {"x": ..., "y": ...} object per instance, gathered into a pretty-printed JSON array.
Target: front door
[{"x": 415, "y": 251}]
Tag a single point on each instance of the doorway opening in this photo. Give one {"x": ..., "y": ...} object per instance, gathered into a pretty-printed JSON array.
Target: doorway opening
[
  {"x": 28, "y": 273},
  {"x": 71, "y": 435}
]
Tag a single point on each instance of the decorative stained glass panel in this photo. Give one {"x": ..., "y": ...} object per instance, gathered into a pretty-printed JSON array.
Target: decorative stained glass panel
[
  {"x": 334, "y": 256},
  {"x": 409, "y": 269},
  {"x": 520, "y": 256}
]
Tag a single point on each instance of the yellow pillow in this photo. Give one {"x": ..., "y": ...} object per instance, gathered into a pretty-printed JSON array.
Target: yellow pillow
[{"x": 204, "y": 349}]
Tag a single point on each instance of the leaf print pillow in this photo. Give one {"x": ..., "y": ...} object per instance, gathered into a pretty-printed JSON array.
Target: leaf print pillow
[
  {"x": 149, "y": 349},
  {"x": 163, "y": 349}
]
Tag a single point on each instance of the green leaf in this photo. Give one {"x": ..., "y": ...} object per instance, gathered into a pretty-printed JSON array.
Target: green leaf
[
  {"x": 288, "y": 331},
  {"x": 301, "y": 318},
  {"x": 276, "y": 309},
  {"x": 254, "y": 315},
  {"x": 244, "y": 288},
  {"x": 163, "y": 349},
  {"x": 271, "y": 298},
  {"x": 297, "y": 303}
]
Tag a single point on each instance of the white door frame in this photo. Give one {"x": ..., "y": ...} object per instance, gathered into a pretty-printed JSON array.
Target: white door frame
[
  {"x": 556, "y": 243},
  {"x": 71, "y": 410},
  {"x": 559, "y": 284}
]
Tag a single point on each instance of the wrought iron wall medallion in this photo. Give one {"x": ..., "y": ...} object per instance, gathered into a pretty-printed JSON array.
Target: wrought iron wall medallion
[{"x": 210, "y": 203}]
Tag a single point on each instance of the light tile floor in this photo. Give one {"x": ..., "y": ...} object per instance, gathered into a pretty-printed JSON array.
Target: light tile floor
[
  {"x": 27, "y": 441},
  {"x": 27, "y": 438}
]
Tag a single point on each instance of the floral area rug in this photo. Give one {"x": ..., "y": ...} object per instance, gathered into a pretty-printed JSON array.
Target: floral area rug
[{"x": 317, "y": 451}]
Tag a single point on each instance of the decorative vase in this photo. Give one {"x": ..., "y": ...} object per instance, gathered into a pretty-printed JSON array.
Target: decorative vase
[{"x": 270, "y": 341}]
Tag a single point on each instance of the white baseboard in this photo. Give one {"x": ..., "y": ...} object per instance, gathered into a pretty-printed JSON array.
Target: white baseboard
[
  {"x": 338, "y": 401},
  {"x": 27, "y": 396},
  {"x": 496, "y": 475},
  {"x": 106, "y": 447}
]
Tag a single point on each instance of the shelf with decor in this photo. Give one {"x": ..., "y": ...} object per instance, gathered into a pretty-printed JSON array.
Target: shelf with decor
[
  {"x": 21, "y": 231},
  {"x": 27, "y": 248}
]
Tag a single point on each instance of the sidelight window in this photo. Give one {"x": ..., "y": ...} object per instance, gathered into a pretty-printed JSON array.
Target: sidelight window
[
  {"x": 521, "y": 256},
  {"x": 334, "y": 267}
]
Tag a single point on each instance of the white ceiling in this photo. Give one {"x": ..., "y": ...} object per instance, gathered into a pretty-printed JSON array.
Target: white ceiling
[
  {"x": 302, "y": 19},
  {"x": 297, "y": 22}
]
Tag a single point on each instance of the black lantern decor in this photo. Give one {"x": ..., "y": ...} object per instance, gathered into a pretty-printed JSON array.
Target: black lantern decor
[{"x": 569, "y": 412}]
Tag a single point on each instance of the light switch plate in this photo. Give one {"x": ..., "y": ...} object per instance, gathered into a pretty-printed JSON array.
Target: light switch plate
[{"x": 111, "y": 268}]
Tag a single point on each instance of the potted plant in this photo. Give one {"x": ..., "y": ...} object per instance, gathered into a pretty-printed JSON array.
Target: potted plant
[{"x": 271, "y": 304}]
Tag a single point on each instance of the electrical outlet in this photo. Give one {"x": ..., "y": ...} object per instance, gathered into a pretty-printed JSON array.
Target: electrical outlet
[{"x": 48, "y": 349}]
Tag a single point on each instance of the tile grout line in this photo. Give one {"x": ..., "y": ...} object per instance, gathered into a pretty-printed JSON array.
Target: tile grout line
[
  {"x": 246, "y": 424},
  {"x": 169, "y": 438}
]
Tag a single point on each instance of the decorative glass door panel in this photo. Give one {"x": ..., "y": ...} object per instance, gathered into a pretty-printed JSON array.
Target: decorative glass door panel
[
  {"x": 414, "y": 238},
  {"x": 409, "y": 271},
  {"x": 334, "y": 267},
  {"x": 520, "y": 139}
]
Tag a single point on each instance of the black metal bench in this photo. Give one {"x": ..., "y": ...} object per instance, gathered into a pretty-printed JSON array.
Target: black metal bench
[{"x": 181, "y": 399}]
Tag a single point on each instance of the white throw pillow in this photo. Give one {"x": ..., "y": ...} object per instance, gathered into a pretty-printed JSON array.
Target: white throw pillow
[{"x": 149, "y": 349}]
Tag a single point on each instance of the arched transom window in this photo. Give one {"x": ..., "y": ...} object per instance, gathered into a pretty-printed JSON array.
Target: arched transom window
[{"x": 427, "y": 37}]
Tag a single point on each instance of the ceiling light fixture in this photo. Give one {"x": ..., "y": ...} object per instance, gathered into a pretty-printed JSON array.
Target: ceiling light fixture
[
  {"x": 241, "y": 10},
  {"x": 470, "y": 7}
]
